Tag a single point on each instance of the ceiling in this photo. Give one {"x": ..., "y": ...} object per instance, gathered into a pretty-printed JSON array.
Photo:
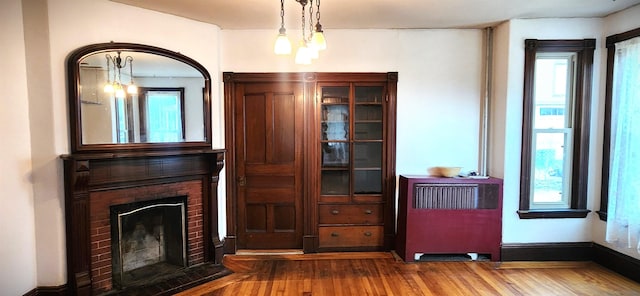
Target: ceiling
[{"x": 380, "y": 14}]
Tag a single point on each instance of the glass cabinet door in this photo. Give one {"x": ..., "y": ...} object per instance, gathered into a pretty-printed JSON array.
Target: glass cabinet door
[
  {"x": 367, "y": 141},
  {"x": 335, "y": 140},
  {"x": 351, "y": 161}
]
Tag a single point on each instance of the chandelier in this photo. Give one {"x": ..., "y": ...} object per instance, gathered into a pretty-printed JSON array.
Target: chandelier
[
  {"x": 310, "y": 44},
  {"x": 114, "y": 82}
]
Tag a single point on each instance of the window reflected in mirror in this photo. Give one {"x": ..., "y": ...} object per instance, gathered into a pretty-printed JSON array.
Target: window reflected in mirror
[{"x": 163, "y": 110}]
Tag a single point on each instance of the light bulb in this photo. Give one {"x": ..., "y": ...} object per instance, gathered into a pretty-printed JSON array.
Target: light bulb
[
  {"x": 120, "y": 93},
  {"x": 132, "y": 89},
  {"x": 108, "y": 88},
  {"x": 318, "y": 38},
  {"x": 302, "y": 55},
  {"x": 283, "y": 45}
]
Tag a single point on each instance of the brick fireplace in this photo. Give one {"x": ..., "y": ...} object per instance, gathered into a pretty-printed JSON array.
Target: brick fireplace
[
  {"x": 101, "y": 227},
  {"x": 95, "y": 186}
]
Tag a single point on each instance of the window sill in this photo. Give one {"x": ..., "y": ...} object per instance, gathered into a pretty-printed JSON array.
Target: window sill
[
  {"x": 553, "y": 214},
  {"x": 603, "y": 215}
]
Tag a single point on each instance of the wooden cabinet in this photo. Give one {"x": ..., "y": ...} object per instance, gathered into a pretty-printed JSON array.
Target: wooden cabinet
[
  {"x": 355, "y": 161},
  {"x": 344, "y": 175}
]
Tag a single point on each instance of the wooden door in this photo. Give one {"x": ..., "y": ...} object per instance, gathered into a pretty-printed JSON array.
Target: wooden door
[{"x": 268, "y": 137}]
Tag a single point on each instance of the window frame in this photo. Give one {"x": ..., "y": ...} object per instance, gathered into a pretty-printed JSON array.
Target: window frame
[
  {"x": 142, "y": 109},
  {"x": 606, "y": 141},
  {"x": 584, "y": 50}
]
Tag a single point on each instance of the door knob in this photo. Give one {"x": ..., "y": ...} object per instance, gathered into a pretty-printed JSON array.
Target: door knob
[{"x": 242, "y": 181}]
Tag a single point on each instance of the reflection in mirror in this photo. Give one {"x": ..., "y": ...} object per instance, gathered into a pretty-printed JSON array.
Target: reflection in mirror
[{"x": 139, "y": 97}]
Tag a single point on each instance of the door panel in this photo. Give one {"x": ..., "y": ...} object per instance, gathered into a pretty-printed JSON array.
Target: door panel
[{"x": 269, "y": 133}]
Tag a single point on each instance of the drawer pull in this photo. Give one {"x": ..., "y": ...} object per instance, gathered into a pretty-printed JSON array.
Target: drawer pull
[
  {"x": 367, "y": 233},
  {"x": 368, "y": 212},
  {"x": 334, "y": 234},
  {"x": 335, "y": 212}
]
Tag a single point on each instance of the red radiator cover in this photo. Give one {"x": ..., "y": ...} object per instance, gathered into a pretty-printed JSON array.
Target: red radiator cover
[{"x": 448, "y": 231}]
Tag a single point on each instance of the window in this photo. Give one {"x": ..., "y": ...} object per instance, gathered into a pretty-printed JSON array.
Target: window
[
  {"x": 555, "y": 129},
  {"x": 157, "y": 113},
  {"x": 123, "y": 120},
  {"x": 620, "y": 202},
  {"x": 161, "y": 114},
  {"x": 544, "y": 111}
]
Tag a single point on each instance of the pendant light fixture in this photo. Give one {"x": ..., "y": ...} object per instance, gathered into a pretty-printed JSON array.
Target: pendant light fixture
[
  {"x": 318, "y": 36},
  {"x": 283, "y": 45},
  {"x": 312, "y": 49},
  {"x": 303, "y": 56},
  {"x": 309, "y": 46},
  {"x": 115, "y": 65}
]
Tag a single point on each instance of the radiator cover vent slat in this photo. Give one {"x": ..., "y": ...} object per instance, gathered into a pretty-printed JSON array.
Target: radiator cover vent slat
[{"x": 446, "y": 196}]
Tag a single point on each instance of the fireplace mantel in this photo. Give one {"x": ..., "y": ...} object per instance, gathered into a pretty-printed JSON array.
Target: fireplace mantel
[{"x": 89, "y": 177}]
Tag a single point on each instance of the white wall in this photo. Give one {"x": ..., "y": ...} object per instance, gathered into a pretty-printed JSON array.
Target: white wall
[
  {"x": 71, "y": 24},
  {"x": 17, "y": 233},
  {"x": 439, "y": 84},
  {"x": 509, "y": 81},
  {"x": 626, "y": 20}
]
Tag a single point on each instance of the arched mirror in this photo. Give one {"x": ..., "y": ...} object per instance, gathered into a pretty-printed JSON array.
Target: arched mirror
[{"x": 126, "y": 96}]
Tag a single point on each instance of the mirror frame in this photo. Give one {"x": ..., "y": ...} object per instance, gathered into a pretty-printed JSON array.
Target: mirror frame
[{"x": 75, "y": 119}]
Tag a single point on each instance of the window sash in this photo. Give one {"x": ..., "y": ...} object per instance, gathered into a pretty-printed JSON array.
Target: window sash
[{"x": 543, "y": 179}]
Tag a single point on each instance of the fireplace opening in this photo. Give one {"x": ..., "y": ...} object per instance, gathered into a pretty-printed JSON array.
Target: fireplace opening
[{"x": 148, "y": 240}]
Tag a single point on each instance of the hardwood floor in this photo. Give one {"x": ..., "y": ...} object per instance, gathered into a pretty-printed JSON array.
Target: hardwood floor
[{"x": 380, "y": 273}]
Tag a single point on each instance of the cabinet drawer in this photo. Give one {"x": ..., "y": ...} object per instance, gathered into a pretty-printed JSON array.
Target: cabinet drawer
[
  {"x": 351, "y": 214},
  {"x": 355, "y": 236}
]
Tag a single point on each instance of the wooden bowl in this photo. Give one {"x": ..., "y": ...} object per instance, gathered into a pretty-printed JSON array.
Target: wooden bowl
[{"x": 448, "y": 172}]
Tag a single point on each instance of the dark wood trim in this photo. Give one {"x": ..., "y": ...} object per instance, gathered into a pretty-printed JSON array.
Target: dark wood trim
[
  {"x": 61, "y": 290},
  {"x": 527, "y": 115},
  {"x": 569, "y": 213},
  {"x": 230, "y": 185},
  {"x": 547, "y": 252},
  {"x": 213, "y": 251},
  {"x": 310, "y": 237},
  {"x": 602, "y": 213},
  {"x": 613, "y": 39},
  {"x": 616, "y": 261},
  {"x": 389, "y": 186},
  {"x": 606, "y": 146},
  {"x": 582, "y": 120},
  {"x": 579, "y": 251}
]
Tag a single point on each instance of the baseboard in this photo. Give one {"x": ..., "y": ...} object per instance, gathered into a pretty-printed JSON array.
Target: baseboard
[
  {"x": 229, "y": 244},
  {"x": 587, "y": 251},
  {"x": 616, "y": 261},
  {"x": 61, "y": 290},
  {"x": 581, "y": 251}
]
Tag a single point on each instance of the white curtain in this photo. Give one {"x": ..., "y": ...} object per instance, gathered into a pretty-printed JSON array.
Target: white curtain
[{"x": 623, "y": 217}]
